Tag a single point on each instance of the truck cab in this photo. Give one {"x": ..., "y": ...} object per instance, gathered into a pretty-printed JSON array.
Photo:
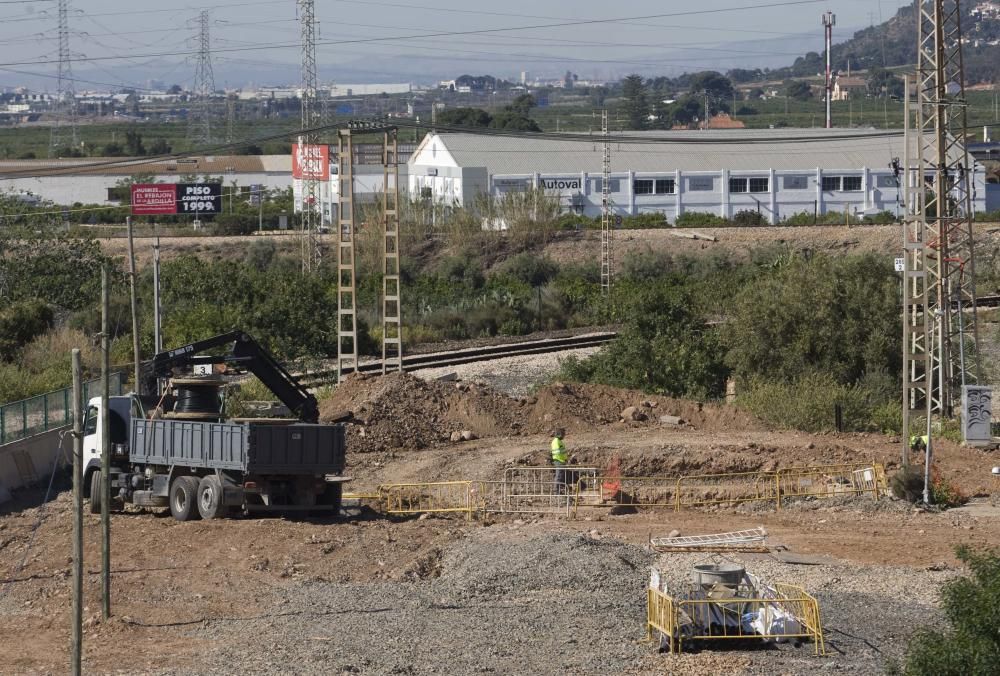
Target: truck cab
[{"x": 120, "y": 412}]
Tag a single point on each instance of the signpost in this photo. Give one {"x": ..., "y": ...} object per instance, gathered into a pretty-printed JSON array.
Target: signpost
[{"x": 164, "y": 199}]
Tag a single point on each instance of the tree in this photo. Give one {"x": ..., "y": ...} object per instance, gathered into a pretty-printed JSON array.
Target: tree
[
  {"x": 636, "y": 101},
  {"x": 798, "y": 90},
  {"x": 523, "y": 104},
  {"x": 837, "y": 316},
  {"x": 970, "y": 643},
  {"x": 882, "y": 82},
  {"x": 475, "y": 118},
  {"x": 714, "y": 84},
  {"x": 513, "y": 121},
  {"x": 684, "y": 111},
  {"x": 159, "y": 147},
  {"x": 133, "y": 143}
]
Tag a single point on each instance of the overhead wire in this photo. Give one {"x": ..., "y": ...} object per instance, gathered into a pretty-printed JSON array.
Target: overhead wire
[{"x": 439, "y": 34}]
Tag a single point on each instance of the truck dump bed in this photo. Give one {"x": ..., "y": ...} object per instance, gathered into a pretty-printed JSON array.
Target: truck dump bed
[{"x": 247, "y": 447}]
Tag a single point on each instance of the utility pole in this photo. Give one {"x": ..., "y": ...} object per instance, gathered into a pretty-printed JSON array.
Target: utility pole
[
  {"x": 829, "y": 20},
  {"x": 200, "y": 115},
  {"x": 607, "y": 227},
  {"x": 157, "y": 309},
  {"x": 136, "y": 356},
  {"x": 347, "y": 321},
  {"x": 65, "y": 103},
  {"x": 77, "y": 613},
  {"x": 105, "y": 434},
  {"x": 392, "y": 323},
  {"x": 311, "y": 250},
  {"x": 939, "y": 342}
]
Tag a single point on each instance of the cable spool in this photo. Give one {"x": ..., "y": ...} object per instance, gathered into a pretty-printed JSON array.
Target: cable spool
[{"x": 196, "y": 399}]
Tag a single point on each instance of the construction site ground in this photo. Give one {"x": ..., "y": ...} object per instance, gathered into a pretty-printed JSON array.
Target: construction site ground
[{"x": 501, "y": 593}]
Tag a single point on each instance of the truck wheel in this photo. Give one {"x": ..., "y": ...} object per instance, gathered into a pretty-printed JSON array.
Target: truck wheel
[
  {"x": 96, "y": 492},
  {"x": 332, "y": 497},
  {"x": 210, "y": 498},
  {"x": 184, "y": 498}
]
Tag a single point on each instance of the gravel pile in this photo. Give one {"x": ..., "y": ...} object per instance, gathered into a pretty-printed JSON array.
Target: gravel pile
[
  {"x": 514, "y": 376},
  {"x": 503, "y": 604}
]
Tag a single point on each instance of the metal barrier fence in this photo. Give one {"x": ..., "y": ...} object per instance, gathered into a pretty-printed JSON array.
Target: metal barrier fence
[
  {"x": 780, "y": 612},
  {"x": 720, "y": 489},
  {"x": 551, "y": 490},
  {"x": 419, "y": 498},
  {"x": 41, "y": 413},
  {"x": 547, "y": 490},
  {"x": 831, "y": 480}
]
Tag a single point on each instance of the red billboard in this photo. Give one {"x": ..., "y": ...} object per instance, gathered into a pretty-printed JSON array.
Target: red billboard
[
  {"x": 154, "y": 199},
  {"x": 311, "y": 161}
]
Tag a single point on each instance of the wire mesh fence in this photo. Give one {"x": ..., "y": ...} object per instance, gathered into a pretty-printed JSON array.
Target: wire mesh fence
[{"x": 52, "y": 410}]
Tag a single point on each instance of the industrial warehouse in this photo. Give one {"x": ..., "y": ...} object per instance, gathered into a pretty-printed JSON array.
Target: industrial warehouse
[{"x": 777, "y": 173}]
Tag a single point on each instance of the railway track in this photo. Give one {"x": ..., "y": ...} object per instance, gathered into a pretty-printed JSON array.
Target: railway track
[{"x": 468, "y": 355}]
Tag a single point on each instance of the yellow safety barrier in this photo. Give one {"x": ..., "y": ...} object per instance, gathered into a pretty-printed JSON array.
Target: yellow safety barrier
[
  {"x": 536, "y": 490},
  {"x": 722, "y": 489},
  {"x": 832, "y": 480},
  {"x": 418, "y": 498},
  {"x": 781, "y": 612}
]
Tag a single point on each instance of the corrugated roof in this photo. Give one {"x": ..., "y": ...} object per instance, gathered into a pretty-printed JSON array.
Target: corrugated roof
[
  {"x": 217, "y": 165},
  {"x": 704, "y": 150}
]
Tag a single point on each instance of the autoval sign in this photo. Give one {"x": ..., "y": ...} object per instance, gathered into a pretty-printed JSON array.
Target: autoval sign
[
  {"x": 310, "y": 161},
  {"x": 561, "y": 183},
  {"x": 152, "y": 199}
]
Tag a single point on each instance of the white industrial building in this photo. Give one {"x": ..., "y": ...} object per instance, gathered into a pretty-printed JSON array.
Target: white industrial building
[{"x": 778, "y": 173}]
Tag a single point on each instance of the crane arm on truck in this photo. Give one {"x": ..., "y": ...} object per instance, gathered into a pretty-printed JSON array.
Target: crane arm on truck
[{"x": 246, "y": 352}]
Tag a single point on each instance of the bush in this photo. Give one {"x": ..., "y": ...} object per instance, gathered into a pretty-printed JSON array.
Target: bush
[
  {"x": 970, "y": 644},
  {"x": 233, "y": 224},
  {"x": 529, "y": 268},
  {"x": 20, "y": 323},
  {"x": 695, "y": 219},
  {"x": 808, "y": 403},
  {"x": 746, "y": 217}
]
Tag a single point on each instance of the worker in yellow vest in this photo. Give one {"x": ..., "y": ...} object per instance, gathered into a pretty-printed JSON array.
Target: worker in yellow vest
[
  {"x": 559, "y": 459},
  {"x": 918, "y": 443}
]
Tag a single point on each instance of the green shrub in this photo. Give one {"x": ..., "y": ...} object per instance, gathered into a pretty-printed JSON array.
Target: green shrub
[
  {"x": 908, "y": 484},
  {"x": 694, "y": 219},
  {"x": 529, "y": 268},
  {"x": 970, "y": 643},
  {"x": 809, "y": 402},
  {"x": 20, "y": 323},
  {"x": 746, "y": 217}
]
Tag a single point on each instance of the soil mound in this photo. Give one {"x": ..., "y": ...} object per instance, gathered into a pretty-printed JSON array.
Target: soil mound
[{"x": 402, "y": 412}]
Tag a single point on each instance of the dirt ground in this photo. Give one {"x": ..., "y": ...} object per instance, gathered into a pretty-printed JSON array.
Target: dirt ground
[{"x": 507, "y": 593}]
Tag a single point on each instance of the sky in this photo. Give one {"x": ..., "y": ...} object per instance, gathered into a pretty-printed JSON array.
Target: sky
[{"x": 119, "y": 44}]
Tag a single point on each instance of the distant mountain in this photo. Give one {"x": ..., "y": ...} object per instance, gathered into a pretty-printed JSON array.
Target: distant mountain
[{"x": 894, "y": 43}]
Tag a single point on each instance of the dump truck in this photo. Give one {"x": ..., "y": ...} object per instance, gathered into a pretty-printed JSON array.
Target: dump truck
[{"x": 170, "y": 445}]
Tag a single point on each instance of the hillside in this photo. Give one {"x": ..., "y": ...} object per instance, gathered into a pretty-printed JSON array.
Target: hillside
[{"x": 893, "y": 43}]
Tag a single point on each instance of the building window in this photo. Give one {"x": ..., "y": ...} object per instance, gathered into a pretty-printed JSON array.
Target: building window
[
  {"x": 642, "y": 187},
  {"x": 665, "y": 186},
  {"x": 831, "y": 183},
  {"x": 795, "y": 182},
  {"x": 886, "y": 181},
  {"x": 759, "y": 185},
  {"x": 737, "y": 185},
  {"x": 701, "y": 184},
  {"x": 852, "y": 184},
  {"x": 614, "y": 185}
]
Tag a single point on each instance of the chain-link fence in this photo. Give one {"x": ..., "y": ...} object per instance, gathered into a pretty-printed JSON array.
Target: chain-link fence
[{"x": 27, "y": 417}]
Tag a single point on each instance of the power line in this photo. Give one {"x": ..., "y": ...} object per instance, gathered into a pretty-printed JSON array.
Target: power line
[{"x": 441, "y": 34}]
